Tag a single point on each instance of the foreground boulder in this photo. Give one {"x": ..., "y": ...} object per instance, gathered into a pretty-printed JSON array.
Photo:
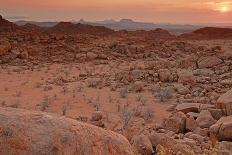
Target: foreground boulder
[
  {"x": 222, "y": 130},
  {"x": 225, "y": 102},
  {"x": 28, "y": 132}
]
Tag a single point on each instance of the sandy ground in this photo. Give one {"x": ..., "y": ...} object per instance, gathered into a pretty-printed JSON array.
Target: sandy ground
[{"x": 37, "y": 89}]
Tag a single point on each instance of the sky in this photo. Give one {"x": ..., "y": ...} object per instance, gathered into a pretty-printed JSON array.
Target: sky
[{"x": 158, "y": 11}]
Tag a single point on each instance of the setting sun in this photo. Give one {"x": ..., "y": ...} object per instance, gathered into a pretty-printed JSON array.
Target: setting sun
[{"x": 224, "y": 9}]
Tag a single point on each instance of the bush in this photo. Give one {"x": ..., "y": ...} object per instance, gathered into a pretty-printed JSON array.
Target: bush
[{"x": 164, "y": 94}]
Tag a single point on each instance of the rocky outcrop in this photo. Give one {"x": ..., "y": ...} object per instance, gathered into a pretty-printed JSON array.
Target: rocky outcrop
[
  {"x": 208, "y": 62},
  {"x": 222, "y": 129},
  {"x": 30, "y": 132},
  {"x": 225, "y": 102}
]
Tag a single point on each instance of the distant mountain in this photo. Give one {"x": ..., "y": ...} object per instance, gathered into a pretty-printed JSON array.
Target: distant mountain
[
  {"x": 124, "y": 24},
  {"x": 40, "y": 24},
  {"x": 71, "y": 28}
]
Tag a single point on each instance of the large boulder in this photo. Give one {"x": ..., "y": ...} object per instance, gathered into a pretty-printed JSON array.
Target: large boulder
[
  {"x": 30, "y": 132},
  {"x": 225, "y": 102},
  {"x": 205, "y": 119},
  {"x": 176, "y": 123},
  {"x": 208, "y": 61},
  {"x": 188, "y": 107},
  {"x": 222, "y": 130}
]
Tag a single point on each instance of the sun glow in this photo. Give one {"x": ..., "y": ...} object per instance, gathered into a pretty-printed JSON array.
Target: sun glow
[{"x": 224, "y": 9}]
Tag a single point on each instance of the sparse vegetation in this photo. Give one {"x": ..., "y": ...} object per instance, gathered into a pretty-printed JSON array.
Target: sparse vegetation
[
  {"x": 164, "y": 94},
  {"x": 45, "y": 103}
]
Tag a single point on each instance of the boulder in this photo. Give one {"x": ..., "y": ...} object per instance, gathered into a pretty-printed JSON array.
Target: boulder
[
  {"x": 205, "y": 119},
  {"x": 176, "y": 123},
  {"x": 91, "y": 55},
  {"x": 191, "y": 124},
  {"x": 161, "y": 139},
  {"x": 186, "y": 77},
  {"x": 225, "y": 103},
  {"x": 5, "y": 47},
  {"x": 188, "y": 107},
  {"x": 33, "y": 132},
  {"x": 164, "y": 75},
  {"x": 216, "y": 113},
  {"x": 181, "y": 89},
  {"x": 142, "y": 145},
  {"x": 222, "y": 129},
  {"x": 208, "y": 62}
]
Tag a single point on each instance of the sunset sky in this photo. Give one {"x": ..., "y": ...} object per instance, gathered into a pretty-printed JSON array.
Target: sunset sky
[{"x": 171, "y": 11}]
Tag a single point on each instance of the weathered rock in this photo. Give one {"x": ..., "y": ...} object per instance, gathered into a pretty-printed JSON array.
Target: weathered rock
[
  {"x": 195, "y": 137},
  {"x": 91, "y": 56},
  {"x": 191, "y": 124},
  {"x": 24, "y": 55},
  {"x": 205, "y": 119},
  {"x": 225, "y": 103},
  {"x": 186, "y": 77},
  {"x": 216, "y": 113},
  {"x": 161, "y": 139},
  {"x": 142, "y": 145},
  {"x": 203, "y": 132},
  {"x": 192, "y": 114},
  {"x": 164, "y": 75},
  {"x": 181, "y": 89},
  {"x": 203, "y": 72},
  {"x": 208, "y": 62},
  {"x": 188, "y": 107},
  {"x": 138, "y": 86},
  {"x": 176, "y": 123},
  {"x": 222, "y": 129},
  {"x": 5, "y": 47},
  {"x": 29, "y": 132}
]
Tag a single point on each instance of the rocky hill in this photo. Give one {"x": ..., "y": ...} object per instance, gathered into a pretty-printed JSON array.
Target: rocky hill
[
  {"x": 6, "y": 26},
  {"x": 209, "y": 33},
  {"x": 70, "y": 28}
]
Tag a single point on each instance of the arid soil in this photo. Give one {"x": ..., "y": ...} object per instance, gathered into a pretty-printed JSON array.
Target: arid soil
[{"x": 166, "y": 94}]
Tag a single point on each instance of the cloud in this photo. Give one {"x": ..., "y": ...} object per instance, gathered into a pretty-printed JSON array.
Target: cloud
[{"x": 217, "y": 6}]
